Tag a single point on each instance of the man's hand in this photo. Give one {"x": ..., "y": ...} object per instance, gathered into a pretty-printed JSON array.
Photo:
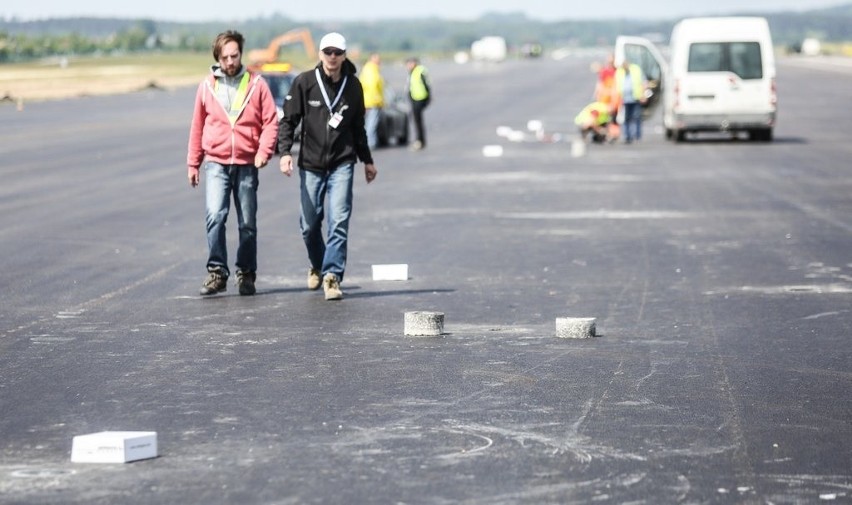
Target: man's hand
[
  {"x": 286, "y": 165},
  {"x": 192, "y": 175},
  {"x": 260, "y": 160},
  {"x": 370, "y": 172}
]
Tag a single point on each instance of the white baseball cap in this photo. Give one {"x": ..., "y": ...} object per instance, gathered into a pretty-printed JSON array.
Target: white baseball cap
[{"x": 333, "y": 39}]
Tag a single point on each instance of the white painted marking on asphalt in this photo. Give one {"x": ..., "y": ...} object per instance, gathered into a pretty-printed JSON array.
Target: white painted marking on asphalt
[
  {"x": 803, "y": 289},
  {"x": 595, "y": 214},
  {"x": 48, "y": 339},
  {"x": 825, "y": 314}
]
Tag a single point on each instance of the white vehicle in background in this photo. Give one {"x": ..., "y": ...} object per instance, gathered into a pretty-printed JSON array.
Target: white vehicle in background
[
  {"x": 811, "y": 47},
  {"x": 490, "y": 48},
  {"x": 720, "y": 76}
]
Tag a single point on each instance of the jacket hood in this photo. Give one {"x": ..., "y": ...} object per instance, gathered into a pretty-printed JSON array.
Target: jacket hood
[{"x": 216, "y": 70}]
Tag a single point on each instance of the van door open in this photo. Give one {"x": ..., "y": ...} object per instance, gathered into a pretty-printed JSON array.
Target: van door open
[{"x": 644, "y": 53}]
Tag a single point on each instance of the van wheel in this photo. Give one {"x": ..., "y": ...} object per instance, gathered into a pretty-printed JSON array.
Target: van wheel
[
  {"x": 762, "y": 135},
  {"x": 680, "y": 136},
  {"x": 669, "y": 133}
]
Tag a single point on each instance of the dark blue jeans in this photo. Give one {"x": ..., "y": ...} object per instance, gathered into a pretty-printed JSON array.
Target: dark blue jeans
[
  {"x": 222, "y": 181},
  {"x": 632, "y": 121}
]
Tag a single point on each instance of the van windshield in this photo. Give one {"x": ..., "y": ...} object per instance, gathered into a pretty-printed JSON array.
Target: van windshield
[{"x": 741, "y": 58}]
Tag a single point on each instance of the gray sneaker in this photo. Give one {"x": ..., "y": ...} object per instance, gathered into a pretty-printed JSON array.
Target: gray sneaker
[
  {"x": 216, "y": 282},
  {"x": 314, "y": 280},
  {"x": 245, "y": 282},
  {"x": 331, "y": 286}
]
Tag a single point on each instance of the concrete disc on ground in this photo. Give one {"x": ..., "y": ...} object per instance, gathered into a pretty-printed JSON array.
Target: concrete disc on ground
[
  {"x": 424, "y": 323},
  {"x": 575, "y": 327}
]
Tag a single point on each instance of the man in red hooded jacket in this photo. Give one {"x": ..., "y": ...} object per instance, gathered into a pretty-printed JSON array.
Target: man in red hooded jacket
[{"x": 234, "y": 130}]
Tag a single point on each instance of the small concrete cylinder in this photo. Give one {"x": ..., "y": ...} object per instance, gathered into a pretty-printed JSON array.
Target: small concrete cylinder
[
  {"x": 575, "y": 327},
  {"x": 424, "y": 324}
]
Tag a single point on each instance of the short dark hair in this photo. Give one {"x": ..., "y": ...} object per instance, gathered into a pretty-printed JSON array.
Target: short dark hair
[{"x": 225, "y": 37}]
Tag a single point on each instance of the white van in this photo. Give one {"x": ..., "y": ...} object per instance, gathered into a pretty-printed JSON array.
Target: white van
[{"x": 720, "y": 76}]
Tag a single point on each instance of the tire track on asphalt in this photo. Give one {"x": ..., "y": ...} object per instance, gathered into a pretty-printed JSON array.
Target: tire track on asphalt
[{"x": 730, "y": 412}]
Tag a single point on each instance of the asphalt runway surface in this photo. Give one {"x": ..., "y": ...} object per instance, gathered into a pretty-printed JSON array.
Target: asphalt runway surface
[{"x": 719, "y": 272}]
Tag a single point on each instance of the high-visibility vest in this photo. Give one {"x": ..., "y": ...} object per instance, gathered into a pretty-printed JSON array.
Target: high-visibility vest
[
  {"x": 585, "y": 115},
  {"x": 636, "y": 78},
  {"x": 605, "y": 91},
  {"x": 416, "y": 85},
  {"x": 239, "y": 98}
]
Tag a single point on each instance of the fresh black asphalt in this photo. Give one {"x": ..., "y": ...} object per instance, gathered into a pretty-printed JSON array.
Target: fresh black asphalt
[{"x": 719, "y": 272}]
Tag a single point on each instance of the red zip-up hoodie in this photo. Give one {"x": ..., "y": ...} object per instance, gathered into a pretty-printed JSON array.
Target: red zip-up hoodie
[{"x": 212, "y": 136}]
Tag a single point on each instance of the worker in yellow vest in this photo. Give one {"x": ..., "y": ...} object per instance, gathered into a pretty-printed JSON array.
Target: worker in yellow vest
[
  {"x": 630, "y": 84},
  {"x": 374, "y": 97},
  {"x": 420, "y": 95},
  {"x": 595, "y": 120}
]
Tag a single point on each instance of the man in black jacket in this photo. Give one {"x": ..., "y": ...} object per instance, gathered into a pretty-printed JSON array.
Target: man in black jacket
[{"x": 329, "y": 102}]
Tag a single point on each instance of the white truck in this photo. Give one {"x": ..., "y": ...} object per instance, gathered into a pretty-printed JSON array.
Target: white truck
[{"x": 491, "y": 48}]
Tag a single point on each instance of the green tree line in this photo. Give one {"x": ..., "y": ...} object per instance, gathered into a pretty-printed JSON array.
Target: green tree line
[{"x": 27, "y": 40}]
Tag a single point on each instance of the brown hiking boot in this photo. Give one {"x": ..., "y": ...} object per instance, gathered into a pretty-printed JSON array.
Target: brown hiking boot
[
  {"x": 314, "y": 280},
  {"x": 216, "y": 282},
  {"x": 245, "y": 282},
  {"x": 331, "y": 286}
]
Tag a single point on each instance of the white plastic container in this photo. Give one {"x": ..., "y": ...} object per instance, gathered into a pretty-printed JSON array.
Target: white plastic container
[{"x": 114, "y": 447}]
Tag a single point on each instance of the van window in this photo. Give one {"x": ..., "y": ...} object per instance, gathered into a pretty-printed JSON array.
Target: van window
[
  {"x": 741, "y": 58},
  {"x": 641, "y": 56}
]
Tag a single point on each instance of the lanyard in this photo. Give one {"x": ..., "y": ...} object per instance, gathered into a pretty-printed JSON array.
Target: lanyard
[{"x": 328, "y": 104}]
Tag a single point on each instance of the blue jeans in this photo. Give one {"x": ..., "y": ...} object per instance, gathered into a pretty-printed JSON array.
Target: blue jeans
[
  {"x": 632, "y": 121},
  {"x": 371, "y": 124},
  {"x": 221, "y": 182},
  {"x": 327, "y": 256}
]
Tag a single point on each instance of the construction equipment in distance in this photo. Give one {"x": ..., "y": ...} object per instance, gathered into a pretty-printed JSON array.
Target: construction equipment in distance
[{"x": 257, "y": 57}]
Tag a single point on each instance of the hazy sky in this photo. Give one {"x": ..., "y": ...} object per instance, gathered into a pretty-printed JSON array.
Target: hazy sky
[{"x": 348, "y": 10}]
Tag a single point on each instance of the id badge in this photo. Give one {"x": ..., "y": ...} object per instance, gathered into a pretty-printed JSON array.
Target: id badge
[{"x": 335, "y": 120}]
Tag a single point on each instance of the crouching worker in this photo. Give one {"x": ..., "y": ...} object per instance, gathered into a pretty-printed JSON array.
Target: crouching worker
[{"x": 595, "y": 120}]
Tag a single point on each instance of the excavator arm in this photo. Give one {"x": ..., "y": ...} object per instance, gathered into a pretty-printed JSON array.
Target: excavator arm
[{"x": 270, "y": 53}]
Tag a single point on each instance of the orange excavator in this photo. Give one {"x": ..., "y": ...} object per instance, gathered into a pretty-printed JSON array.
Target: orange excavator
[{"x": 269, "y": 55}]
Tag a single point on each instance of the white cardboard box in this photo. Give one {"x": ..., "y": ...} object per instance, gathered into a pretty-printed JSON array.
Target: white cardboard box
[
  {"x": 390, "y": 272},
  {"x": 114, "y": 447}
]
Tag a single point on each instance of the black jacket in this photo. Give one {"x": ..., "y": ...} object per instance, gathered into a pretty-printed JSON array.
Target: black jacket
[{"x": 325, "y": 148}]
